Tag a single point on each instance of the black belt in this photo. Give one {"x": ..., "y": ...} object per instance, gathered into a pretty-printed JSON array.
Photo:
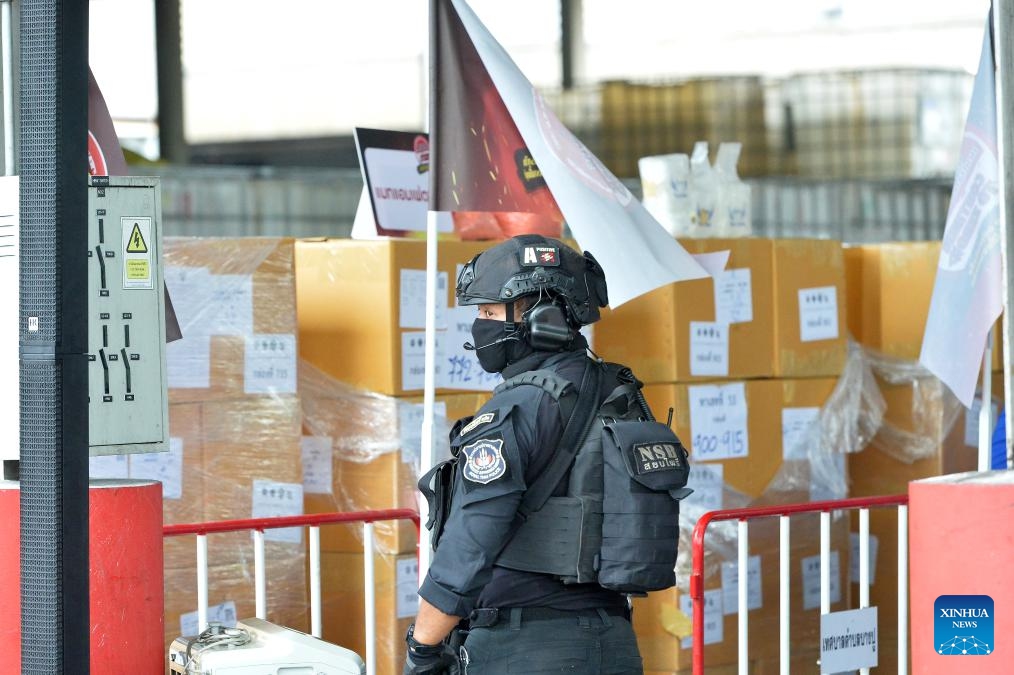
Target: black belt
[{"x": 490, "y": 616}]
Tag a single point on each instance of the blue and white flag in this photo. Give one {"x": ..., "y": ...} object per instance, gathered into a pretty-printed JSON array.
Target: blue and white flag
[{"x": 967, "y": 292}]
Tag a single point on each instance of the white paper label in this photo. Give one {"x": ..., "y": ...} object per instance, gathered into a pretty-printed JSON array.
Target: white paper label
[
  {"x": 848, "y": 640},
  {"x": 818, "y": 313},
  {"x": 713, "y": 618},
  {"x": 972, "y": 421},
  {"x": 412, "y": 304},
  {"x": 231, "y": 307},
  {"x": 854, "y": 558},
  {"x": 190, "y": 288},
  {"x": 138, "y": 247},
  {"x": 811, "y": 580},
  {"x": 413, "y": 359},
  {"x": 718, "y": 421},
  {"x": 730, "y": 585},
  {"x": 271, "y": 499},
  {"x": 709, "y": 348},
  {"x": 109, "y": 466},
  {"x": 316, "y": 454},
  {"x": 269, "y": 364},
  {"x": 399, "y": 190},
  {"x": 796, "y": 425},
  {"x": 407, "y": 587},
  {"x": 188, "y": 362},
  {"x": 733, "y": 296},
  {"x": 224, "y": 613},
  {"x": 410, "y": 418},
  {"x": 462, "y": 366},
  {"x": 706, "y": 482},
  {"x": 165, "y": 467}
]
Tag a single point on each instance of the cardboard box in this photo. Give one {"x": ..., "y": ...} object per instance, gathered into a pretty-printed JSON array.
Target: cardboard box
[
  {"x": 783, "y": 301},
  {"x": 890, "y": 287},
  {"x": 361, "y": 308},
  {"x": 660, "y": 620},
  {"x": 344, "y": 601},
  {"x": 246, "y": 442},
  {"x": 186, "y": 433},
  {"x": 375, "y": 443},
  {"x": 742, "y": 426},
  {"x": 235, "y": 300}
]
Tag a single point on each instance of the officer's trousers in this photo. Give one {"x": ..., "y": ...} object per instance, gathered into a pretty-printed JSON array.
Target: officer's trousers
[{"x": 584, "y": 643}]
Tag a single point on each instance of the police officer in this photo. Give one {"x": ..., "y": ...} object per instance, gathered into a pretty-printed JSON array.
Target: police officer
[{"x": 532, "y": 294}]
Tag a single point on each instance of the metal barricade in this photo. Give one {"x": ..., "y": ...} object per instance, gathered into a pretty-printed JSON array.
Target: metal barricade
[
  {"x": 314, "y": 522},
  {"x": 783, "y": 513}
]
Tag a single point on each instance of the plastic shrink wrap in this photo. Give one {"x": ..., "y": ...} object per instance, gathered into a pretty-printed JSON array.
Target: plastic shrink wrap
[{"x": 234, "y": 425}]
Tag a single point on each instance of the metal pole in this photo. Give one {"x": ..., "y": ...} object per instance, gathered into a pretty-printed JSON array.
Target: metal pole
[
  {"x": 1003, "y": 32},
  {"x": 902, "y": 589},
  {"x": 202, "y": 582},
  {"x": 744, "y": 559},
  {"x": 986, "y": 411},
  {"x": 260, "y": 577},
  {"x": 825, "y": 562},
  {"x": 429, "y": 382},
  {"x": 371, "y": 599},
  {"x": 315, "y": 627},
  {"x": 784, "y": 562},
  {"x": 7, "y": 36},
  {"x": 864, "y": 565},
  {"x": 169, "y": 66}
]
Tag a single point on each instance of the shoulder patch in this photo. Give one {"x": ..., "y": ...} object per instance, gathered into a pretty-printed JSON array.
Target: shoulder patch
[
  {"x": 484, "y": 418},
  {"x": 484, "y": 461},
  {"x": 540, "y": 256}
]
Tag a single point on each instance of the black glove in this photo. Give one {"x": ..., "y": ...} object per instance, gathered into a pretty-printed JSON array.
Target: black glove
[{"x": 428, "y": 659}]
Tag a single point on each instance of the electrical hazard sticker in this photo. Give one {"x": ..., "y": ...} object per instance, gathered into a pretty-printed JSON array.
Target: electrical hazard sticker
[
  {"x": 137, "y": 266},
  {"x": 484, "y": 461}
]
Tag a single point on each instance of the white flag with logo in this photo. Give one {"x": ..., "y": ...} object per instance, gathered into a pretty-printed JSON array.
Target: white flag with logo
[
  {"x": 637, "y": 254},
  {"x": 966, "y": 295}
]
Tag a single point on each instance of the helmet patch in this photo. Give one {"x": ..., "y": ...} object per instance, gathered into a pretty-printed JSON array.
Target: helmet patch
[
  {"x": 540, "y": 256},
  {"x": 484, "y": 461}
]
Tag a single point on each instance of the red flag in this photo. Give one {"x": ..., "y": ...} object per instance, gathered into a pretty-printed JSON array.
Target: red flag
[
  {"x": 482, "y": 170},
  {"x": 105, "y": 158}
]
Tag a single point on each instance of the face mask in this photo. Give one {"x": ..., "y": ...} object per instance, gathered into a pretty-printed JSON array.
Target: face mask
[{"x": 494, "y": 349}]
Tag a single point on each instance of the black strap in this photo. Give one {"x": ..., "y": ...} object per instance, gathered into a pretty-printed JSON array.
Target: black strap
[
  {"x": 560, "y": 389},
  {"x": 573, "y": 436}
]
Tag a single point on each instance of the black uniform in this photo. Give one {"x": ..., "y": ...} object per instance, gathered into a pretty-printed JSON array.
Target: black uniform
[{"x": 501, "y": 449}]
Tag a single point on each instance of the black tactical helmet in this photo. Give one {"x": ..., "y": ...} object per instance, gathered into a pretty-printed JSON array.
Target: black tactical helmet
[{"x": 531, "y": 264}]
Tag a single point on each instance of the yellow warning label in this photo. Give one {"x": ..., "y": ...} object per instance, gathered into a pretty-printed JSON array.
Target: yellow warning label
[
  {"x": 136, "y": 242},
  {"x": 138, "y": 270}
]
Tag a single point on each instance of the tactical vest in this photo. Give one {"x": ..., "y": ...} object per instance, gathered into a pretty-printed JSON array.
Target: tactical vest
[{"x": 618, "y": 523}]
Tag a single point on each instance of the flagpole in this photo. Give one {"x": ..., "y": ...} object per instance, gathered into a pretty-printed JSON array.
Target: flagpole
[
  {"x": 1003, "y": 32},
  {"x": 986, "y": 410},
  {"x": 7, "y": 36}
]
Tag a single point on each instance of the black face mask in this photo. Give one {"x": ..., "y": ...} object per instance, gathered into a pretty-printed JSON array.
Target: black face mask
[{"x": 494, "y": 347}]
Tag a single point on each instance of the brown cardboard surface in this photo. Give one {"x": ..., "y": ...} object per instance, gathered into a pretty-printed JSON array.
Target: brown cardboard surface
[
  {"x": 651, "y": 334},
  {"x": 343, "y": 603},
  {"x": 270, "y": 265},
  {"x": 348, "y": 295},
  {"x": 185, "y": 423},
  {"x": 765, "y": 400},
  {"x": 662, "y": 650},
  {"x": 369, "y": 470},
  {"x": 890, "y": 288},
  {"x": 245, "y": 440}
]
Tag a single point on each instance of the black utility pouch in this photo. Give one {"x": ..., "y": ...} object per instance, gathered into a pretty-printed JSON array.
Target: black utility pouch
[
  {"x": 437, "y": 486},
  {"x": 645, "y": 473}
]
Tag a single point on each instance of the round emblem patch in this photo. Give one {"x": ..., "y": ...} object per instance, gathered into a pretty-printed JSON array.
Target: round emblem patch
[{"x": 484, "y": 462}]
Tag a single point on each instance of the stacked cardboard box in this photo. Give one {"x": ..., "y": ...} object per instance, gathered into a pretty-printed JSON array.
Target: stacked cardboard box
[
  {"x": 926, "y": 432},
  {"x": 361, "y": 308},
  {"x": 749, "y": 363},
  {"x": 235, "y": 426}
]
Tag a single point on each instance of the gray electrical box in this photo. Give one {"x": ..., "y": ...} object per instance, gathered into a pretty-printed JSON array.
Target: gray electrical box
[{"x": 127, "y": 396}]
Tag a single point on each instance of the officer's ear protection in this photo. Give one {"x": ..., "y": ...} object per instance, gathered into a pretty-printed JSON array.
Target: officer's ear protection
[{"x": 547, "y": 327}]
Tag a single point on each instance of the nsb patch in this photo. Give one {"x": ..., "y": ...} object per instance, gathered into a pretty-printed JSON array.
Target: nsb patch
[{"x": 484, "y": 461}]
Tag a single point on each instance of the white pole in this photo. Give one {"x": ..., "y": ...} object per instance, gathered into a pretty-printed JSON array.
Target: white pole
[
  {"x": 7, "y": 36},
  {"x": 202, "y": 582},
  {"x": 986, "y": 411},
  {"x": 825, "y": 562},
  {"x": 1003, "y": 25},
  {"x": 315, "y": 627},
  {"x": 260, "y": 577},
  {"x": 784, "y": 562},
  {"x": 864, "y": 565},
  {"x": 744, "y": 557},
  {"x": 371, "y": 599},
  {"x": 902, "y": 589},
  {"x": 426, "y": 458}
]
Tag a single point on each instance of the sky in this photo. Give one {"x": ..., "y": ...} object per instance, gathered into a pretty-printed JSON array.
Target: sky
[{"x": 263, "y": 69}]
